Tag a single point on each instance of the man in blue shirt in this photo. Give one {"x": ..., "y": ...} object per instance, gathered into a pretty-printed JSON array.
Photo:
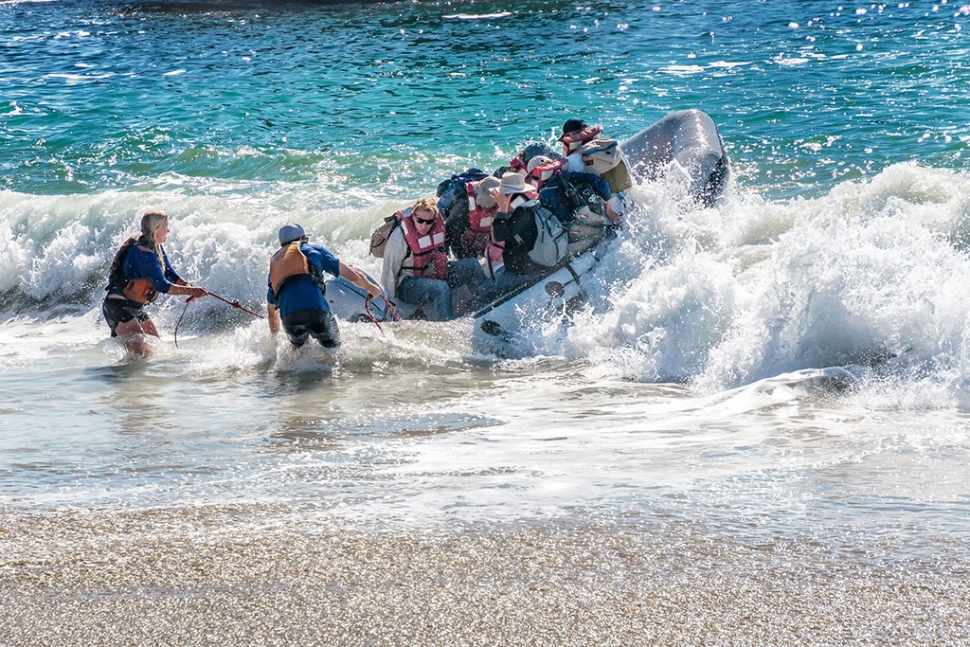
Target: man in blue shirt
[{"x": 296, "y": 289}]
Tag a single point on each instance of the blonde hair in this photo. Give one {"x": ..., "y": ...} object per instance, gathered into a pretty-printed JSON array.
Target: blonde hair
[
  {"x": 426, "y": 204},
  {"x": 151, "y": 221}
]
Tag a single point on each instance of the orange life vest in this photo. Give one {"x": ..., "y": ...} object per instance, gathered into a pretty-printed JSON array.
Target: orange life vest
[
  {"x": 429, "y": 260},
  {"x": 288, "y": 262}
]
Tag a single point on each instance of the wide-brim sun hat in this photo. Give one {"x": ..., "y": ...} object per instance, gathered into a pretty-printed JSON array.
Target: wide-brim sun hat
[
  {"x": 290, "y": 232},
  {"x": 483, "y": 195},
  {"x": 514, "y": 183}
]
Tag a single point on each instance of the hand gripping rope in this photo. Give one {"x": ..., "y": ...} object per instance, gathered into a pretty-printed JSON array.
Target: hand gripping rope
[{"x": 234, "y": 303}]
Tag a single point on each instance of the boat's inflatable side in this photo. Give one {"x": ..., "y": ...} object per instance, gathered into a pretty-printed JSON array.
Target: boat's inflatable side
[
  {"x": 554, "y": 295},
  {"x": 349, "y": 302},
  {"x": 687, "y": 140}
]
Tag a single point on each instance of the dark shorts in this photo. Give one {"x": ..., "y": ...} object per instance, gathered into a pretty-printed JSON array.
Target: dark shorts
[
  {"x": 319, "y": 324},
  {"x": 119, "y": 311}
]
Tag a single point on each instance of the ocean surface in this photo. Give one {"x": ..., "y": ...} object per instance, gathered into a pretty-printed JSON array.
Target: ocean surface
[{"x": 792, "y": 365}]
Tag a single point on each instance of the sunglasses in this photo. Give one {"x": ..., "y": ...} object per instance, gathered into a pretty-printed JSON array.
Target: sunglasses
[{"x": 423, "y": 221}]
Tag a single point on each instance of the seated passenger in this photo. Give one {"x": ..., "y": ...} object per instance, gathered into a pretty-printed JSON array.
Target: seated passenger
[
  {"x": 575, "y": 133},
  {"x": 515, "y": 227},
  {"x": 588, "y": 151},
  {"x": 579, "y": 199},
  {"x": 468, "y": 219},
  {"x": 416, "y": 267}
]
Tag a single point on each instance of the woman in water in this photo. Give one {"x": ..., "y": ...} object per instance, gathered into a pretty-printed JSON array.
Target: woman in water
[{"x": 139, "y": 272}]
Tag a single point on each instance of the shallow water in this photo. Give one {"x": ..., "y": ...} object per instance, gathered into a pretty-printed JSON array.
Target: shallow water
[{"x": 789, "y": 368}]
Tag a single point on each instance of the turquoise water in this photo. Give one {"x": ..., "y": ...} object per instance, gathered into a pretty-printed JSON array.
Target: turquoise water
[
  {"x": 793, "y": 363},
  {"x": 108, "y": 95}
]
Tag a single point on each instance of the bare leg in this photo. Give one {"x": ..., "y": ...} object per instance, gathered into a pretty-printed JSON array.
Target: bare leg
[{"x": 133, "y": 332}]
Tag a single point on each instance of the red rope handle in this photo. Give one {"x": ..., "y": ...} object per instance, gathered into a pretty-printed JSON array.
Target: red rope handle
[
  {"x": 234, "y": 303},
  {"x": 367, "y": 301},
  {"x": 390, "y": 306}
]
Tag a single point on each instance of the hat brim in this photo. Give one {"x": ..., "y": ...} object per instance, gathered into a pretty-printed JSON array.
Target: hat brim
[{"x": 509, "y": 190}]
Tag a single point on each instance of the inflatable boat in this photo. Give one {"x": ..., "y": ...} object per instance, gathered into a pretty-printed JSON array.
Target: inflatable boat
[{"x": 685, "y": 143}]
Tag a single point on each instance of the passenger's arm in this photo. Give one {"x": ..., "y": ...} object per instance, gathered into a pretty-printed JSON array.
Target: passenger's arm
[
  {"x": 394, "y": 254},
  {"x": 359, "y": 279}
]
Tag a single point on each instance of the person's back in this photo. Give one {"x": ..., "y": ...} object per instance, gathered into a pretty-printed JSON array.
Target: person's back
[
  {"x": 295, "y": 291},
  {"x": 302, "y": 291},
  {"x": 517, "y": 230}
]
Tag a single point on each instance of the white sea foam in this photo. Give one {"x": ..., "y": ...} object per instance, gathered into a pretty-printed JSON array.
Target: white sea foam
[{"x": 871, "y": 274}]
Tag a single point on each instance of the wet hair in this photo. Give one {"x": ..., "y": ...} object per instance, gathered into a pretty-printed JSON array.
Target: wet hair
[
  {"x": 151, "y": 221},
  {"x": 426, "y": 204}
]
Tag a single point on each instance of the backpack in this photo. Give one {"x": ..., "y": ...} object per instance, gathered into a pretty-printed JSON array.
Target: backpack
[
  {"x": 583, "y": 200},
  {"x": 454, "y": 187},
  {"x": 551, "y": 241},
  {"x": 116, "y": 276},
  {"x": 378, "y": 239},
  {"x": 603, "y": 157}
]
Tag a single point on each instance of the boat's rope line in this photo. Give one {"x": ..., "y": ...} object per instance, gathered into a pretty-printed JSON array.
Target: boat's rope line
[{"x": 234, "y": 303}]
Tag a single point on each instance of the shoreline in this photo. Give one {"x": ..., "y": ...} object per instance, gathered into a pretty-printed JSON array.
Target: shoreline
[{"x": 212, "y": 577}]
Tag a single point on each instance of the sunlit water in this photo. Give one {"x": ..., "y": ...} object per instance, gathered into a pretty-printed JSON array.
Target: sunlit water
[{"x": 793, "y": 363}]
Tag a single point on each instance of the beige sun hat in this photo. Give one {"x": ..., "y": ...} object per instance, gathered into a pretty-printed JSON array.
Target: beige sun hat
[
  {"x": 483, "y": 195},
  {"x": 514, "y": 183}
]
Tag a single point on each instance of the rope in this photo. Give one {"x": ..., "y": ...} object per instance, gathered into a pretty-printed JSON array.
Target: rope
[
  {"x": 187, "y": 302},
  {"x": 234, "y": 303},
  {"x": 390, "y": 306}
]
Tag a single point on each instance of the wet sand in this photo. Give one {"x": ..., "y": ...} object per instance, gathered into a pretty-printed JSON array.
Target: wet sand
[{"x": 261, "y": 577}]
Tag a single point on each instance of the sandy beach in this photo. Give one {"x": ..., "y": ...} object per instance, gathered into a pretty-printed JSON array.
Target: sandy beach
[{"x": 239, "y": 577}]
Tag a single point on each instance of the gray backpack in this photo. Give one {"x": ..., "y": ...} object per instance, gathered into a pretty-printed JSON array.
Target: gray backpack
[{"x": 552, "y": 241}]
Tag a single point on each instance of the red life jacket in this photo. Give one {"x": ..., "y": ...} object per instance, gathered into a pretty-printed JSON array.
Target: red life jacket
[
  {"x": 519, "y": 199},
  {"x": 477, "y": 236},
  {"x": 429, "y": 260},
  {"x": 543, "y": 172},
  {"x": 573, "y": 141}
]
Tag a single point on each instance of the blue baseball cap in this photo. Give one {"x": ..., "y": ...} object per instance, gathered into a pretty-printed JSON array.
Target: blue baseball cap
[{"x": 291, "y": 232}]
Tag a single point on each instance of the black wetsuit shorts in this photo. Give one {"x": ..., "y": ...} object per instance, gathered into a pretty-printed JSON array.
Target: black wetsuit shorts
[
  {"x": 119, "y": 311},
  {"x": 300, "y": 325}
]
